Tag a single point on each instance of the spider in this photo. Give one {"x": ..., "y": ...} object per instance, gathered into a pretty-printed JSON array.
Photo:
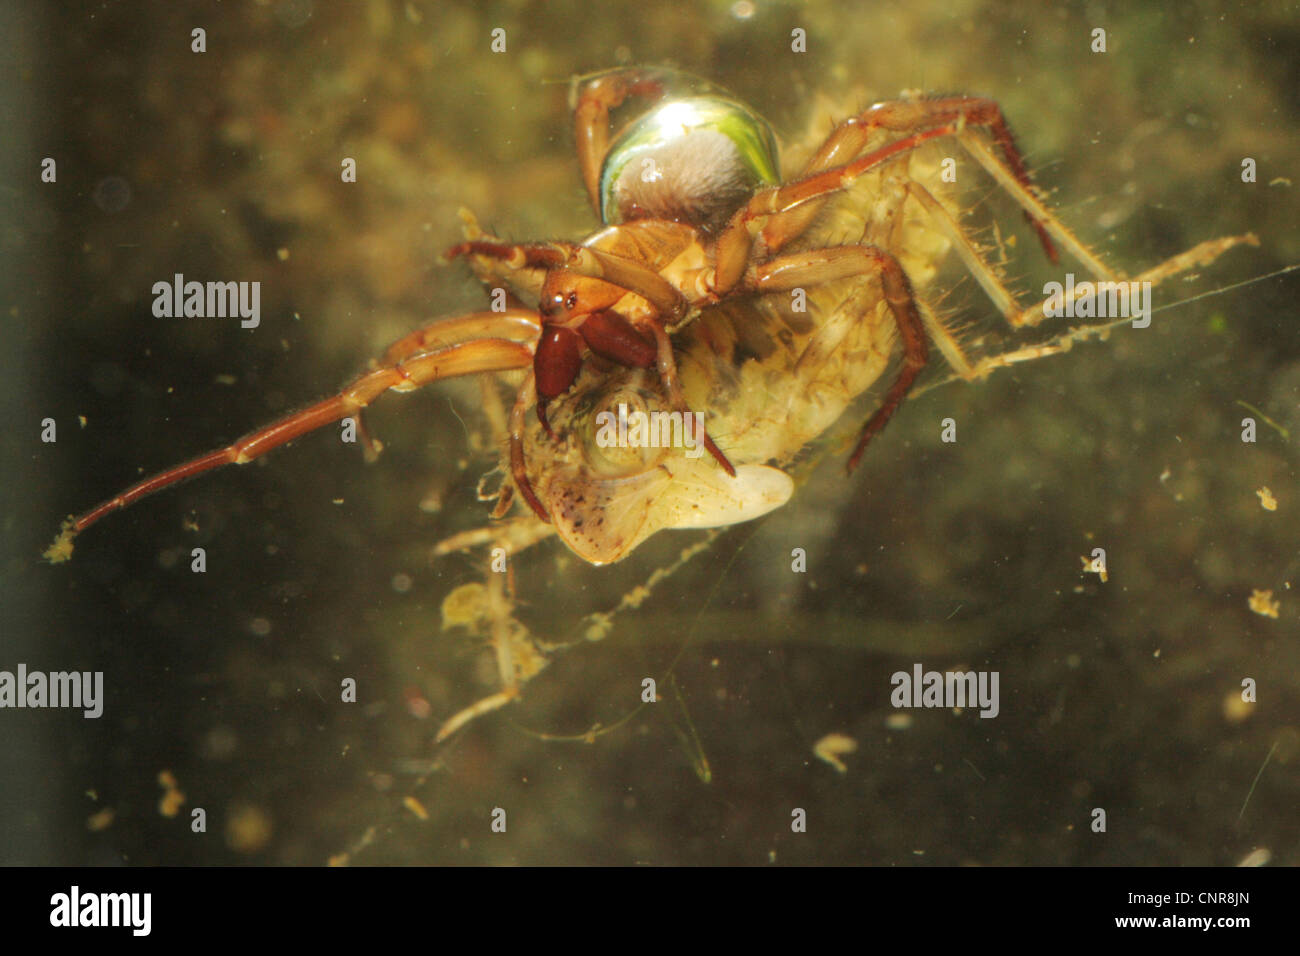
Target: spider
[{"x": 695, "y": 215}]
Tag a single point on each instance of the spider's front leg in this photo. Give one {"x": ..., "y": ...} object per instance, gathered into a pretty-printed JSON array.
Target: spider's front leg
[
  {"x": 510, "y": 348},
  {"x": 841, "y": 262},
  {"x": 517, "y": 325}
]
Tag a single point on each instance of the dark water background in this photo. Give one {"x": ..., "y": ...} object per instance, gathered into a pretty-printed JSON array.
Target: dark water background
[{"x": 965, "y": 555}]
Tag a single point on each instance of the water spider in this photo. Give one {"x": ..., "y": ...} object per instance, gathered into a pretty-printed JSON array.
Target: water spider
[{"x": 671, "y": 307}]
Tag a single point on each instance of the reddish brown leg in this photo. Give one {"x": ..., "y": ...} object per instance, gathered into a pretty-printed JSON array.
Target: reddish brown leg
[
  {"x": 493, "y": 274},
  {"x": 737, "y": 239},
  {"x": 518, "y": 470},
  {"x": 516, "y": 324},
  {"x": 668, "y": 375},
  {"x": 468, "y": 358},
  {"x": 839, "y": 262},
  {"x": 849, "y": 139},
  {"x": 596, "y": 97},
  {"x": 627, "y": 275}
]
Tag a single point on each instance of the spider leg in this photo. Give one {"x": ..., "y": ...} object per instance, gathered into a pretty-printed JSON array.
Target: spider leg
[
  {"x": 962, "y": 113},
  {"x": 735, "y": 244},
  {"x": 584, "y": 261},
  {"x": 517, "y": 325},
  {"x": 520, "y": 285},
  {"x": 467, "y": 358},
  {"x": 1006, "y": 303},
  {"x": 975, "y": 263},
  {"x": 1201, "y": 254},
  {"x": 593, "y": 101},
  {"x": 518, "y": 469},
  {"x": 667, "y": 366},
  {"x": 1034, "y": 208},
  {"x": 840, "y": 262}
]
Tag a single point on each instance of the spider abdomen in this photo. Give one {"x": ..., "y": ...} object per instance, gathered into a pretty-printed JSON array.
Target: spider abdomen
[{"x": 692, "y": 160}]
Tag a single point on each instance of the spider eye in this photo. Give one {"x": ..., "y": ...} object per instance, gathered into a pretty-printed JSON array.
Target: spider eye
[
  {"x": 558, "y": 304},
  {"x": 552, "y": 305},
  {"x": 692, "y": 160}
]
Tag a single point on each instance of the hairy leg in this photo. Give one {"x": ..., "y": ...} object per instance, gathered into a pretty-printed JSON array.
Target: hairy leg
[
  {"x": 849, "y": 138},
  {"x": 467, "y": 358},
  {"x": 840, "y": 262}
]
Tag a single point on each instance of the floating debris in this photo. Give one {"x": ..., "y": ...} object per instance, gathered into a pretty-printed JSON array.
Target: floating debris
[
  {"x": 170, "y": 803},
  {"x": 831, "y": 747},
  {"x": 1262, "y": 603}
]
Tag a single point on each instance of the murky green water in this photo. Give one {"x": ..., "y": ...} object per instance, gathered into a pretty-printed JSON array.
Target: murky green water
[{"x": 319, "y": 567}]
